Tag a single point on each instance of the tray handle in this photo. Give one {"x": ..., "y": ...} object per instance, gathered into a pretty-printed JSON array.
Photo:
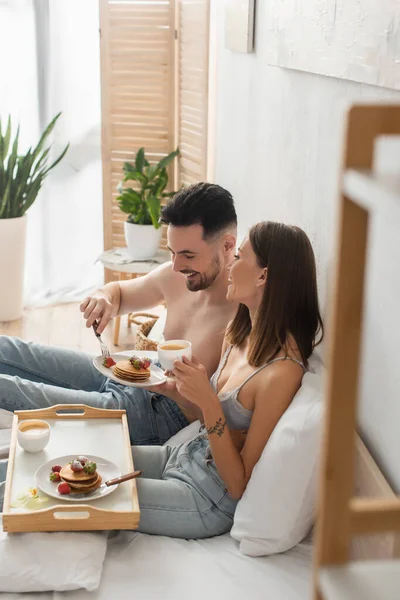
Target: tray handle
[
  {"x": 77, "y": 511},
  {"x": 76, "y": 411}
]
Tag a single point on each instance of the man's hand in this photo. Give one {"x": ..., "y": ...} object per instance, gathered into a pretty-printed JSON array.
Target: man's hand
[{"x": 98, "y": 307}]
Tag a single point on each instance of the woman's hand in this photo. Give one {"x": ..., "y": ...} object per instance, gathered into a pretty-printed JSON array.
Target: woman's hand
[
  {"x": 169, "y": 389},
  {"x": 192, "y": 382}
]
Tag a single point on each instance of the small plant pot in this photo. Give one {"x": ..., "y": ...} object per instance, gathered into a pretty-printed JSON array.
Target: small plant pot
[
  {"x": 12, "y": 259},
  {"x": 142, "y": 241}
]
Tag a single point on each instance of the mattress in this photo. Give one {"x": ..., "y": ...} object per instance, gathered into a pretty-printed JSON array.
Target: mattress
[{"x": 147, "y": 567}]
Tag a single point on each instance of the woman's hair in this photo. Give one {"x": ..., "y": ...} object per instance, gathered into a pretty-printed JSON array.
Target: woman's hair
[{"x": 289, "y": 306}]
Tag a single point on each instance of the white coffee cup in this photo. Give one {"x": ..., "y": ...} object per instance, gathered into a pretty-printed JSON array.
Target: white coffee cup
[
  {"x": 172, "y": 350},
  {"x": 33, "y": 435}
]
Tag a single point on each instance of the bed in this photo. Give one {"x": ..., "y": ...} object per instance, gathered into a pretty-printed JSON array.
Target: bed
[
  {"x": 153, "y": 567},
  {"x": 149, "y": 567}
]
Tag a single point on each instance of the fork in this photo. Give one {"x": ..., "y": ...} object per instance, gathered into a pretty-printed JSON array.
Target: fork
[{"x": 104, "y": 350}]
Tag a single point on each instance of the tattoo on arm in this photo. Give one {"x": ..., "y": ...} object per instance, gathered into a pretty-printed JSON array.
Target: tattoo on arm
[{"x": 218, "y": 428}]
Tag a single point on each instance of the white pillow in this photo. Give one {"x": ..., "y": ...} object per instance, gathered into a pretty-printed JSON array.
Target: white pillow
[
  {"x": 39, "y": 562},
  {"x": 278, "y": 507}
]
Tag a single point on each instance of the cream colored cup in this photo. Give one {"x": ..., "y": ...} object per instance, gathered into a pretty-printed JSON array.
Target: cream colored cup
[
  {"x": 167, "y": 356},
  {"x": 33, "y": 435}
]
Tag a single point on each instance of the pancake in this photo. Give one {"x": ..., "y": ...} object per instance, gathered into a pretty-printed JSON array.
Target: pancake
[
  {"x": 125, "y": 370},
  {"x": 80, "y": 488},
  {"x": 84, "y": 486},
  {"x": 69, "y": 475}
]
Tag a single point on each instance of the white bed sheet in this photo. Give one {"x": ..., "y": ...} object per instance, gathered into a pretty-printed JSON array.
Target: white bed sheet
[{"x": 147, "y": 567}]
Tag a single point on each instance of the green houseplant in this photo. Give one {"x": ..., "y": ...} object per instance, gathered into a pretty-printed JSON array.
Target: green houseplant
[
  {"x": 21, "y": 177},
  {"x": 143, "y": 204}
]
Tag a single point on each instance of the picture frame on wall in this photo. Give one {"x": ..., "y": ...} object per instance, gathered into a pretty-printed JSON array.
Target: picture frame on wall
[
  {"x": 356, "y": 40},
  {"x": 239, "y": 25}
]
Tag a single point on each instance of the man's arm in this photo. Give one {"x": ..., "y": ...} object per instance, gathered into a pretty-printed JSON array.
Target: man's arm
[{"x": 118, "y": 298}]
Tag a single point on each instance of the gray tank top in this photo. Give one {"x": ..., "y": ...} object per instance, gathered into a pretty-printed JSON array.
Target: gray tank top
[{"x": 238, "y": 417}]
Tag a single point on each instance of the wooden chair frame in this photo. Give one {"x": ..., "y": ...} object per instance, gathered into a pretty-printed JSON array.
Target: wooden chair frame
[{"x": 340, "y": 515}]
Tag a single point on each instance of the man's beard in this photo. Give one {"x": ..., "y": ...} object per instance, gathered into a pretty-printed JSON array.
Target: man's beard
[{"x": 202, "y": 281}]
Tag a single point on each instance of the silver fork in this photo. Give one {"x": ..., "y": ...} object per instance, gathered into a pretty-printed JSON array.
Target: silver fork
[{"x": 104, "y": 350}]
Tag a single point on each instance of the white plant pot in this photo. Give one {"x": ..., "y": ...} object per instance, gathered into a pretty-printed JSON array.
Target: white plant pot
[
  {"x": 142, "y": 240},
  {"x": 12, "y": 260}
]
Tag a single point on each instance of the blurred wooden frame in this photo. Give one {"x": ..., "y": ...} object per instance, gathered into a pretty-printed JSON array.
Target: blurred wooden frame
[
  {"x": 369, "y": 482},
  {"x": 341, "y": 516}
]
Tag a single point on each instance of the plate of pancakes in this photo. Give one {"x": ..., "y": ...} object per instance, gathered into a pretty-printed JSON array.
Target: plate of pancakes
[
  {"x": 79, "y": 482},
  {"x": 126, "y": 373}
]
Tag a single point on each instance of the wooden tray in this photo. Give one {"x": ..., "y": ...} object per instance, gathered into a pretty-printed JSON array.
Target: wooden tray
[{"x": 83, "y": 430}]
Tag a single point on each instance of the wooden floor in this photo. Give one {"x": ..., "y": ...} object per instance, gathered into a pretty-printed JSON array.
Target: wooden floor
[{"x": 63, "y": 325}]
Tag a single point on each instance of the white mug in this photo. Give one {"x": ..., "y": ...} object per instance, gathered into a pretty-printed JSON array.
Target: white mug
[
  {"x": 33, "y": 435},
  {"x": 168, "y": 354}
]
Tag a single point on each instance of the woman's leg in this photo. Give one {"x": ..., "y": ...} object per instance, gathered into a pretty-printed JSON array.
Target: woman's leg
[
  {"x": 175, "y": 509},
  {"x": 171, "y": 502},
  {"x": 151, "y": 460}
]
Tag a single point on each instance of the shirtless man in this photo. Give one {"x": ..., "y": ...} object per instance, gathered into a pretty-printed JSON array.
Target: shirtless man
[{"x": 202, "y": 225}]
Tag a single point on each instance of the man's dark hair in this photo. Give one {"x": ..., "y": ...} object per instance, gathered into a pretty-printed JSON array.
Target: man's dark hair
[{"x": 203, "y": 204}]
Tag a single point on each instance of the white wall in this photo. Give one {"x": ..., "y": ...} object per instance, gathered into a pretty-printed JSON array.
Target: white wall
[{"x": 278, "y": 150}]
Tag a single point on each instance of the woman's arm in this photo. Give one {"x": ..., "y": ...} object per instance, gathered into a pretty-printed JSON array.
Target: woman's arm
[
  {"x": 274, "y": 394},
  {"x": 169, "y": 389}
]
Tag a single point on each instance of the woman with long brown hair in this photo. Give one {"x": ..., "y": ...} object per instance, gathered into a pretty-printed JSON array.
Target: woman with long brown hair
[{"x": 191, "y": 490}]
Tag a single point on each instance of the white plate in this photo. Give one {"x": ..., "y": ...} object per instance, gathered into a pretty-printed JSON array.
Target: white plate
[
  {"x": 106, "y": 468},
  {"x": 157, "y": 376}
]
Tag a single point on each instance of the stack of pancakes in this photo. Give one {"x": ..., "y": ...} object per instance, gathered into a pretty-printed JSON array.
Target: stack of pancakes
[
  {"x": 79, "y": 481},
  {"x": 125, "y": 370}
]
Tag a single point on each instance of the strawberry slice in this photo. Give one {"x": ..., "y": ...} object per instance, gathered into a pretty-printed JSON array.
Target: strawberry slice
[
  {"x": 146, "y": 363},
  {"x": 109, "y": 362}
]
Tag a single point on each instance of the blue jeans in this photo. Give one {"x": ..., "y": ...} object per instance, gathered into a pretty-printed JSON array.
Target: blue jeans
[
  {"x": 35, "y": 376},
  {"x": 180, "y": 493}
]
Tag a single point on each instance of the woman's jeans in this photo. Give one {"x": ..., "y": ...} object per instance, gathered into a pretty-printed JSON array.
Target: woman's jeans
[{"x": 181, "y": 494}]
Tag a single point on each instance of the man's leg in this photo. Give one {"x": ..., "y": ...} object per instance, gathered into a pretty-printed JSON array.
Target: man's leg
[
  {"x": 152, "y": 419},
  {"x": 34, "y": 376},
  {"x": 47, "y": 364}
]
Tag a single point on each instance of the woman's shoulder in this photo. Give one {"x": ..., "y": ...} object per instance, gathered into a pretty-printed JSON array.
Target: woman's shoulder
[{"x": 286, "y": 372}]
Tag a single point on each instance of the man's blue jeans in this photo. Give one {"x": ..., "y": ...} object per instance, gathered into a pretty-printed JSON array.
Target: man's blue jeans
[{"x": 35, "y": 376}]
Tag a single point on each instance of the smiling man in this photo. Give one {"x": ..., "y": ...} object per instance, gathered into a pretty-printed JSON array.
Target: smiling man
[{"x": 202, "y": 227}]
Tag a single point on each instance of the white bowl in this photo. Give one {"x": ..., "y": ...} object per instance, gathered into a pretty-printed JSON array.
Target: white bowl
[
  {"x": 33, "y": 435},
  {"x": 167, "y": 357}
]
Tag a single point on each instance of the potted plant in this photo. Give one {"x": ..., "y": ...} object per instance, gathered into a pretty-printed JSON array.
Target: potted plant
[
  {"x": 143, "y": 205},
  {"x": 21, "y": 177}
]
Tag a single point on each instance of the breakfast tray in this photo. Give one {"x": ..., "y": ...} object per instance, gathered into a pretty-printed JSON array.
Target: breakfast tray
[{"x": 80, "y": 429}]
